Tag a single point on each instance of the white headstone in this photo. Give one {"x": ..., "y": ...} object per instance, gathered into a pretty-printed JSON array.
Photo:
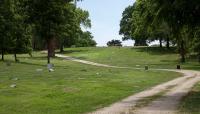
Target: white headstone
[
  {"x": 51, "y": 70},
  {"x": 39, "y": 70},
  {"x": 50, "y": 67},
  {"x": 13, "y": 86}
]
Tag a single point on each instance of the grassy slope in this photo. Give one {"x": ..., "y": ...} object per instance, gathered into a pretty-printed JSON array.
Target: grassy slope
[
  {"x": 191, "y": 103},
  {"x": 153, "y": 56},
  {"x": 72, "y": 89}
]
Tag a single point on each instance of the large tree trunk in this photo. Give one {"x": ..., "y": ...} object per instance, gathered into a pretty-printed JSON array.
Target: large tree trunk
[
  {"x": 160, "y": 40},
  {"x": 182, "y": 52},
  {"x": 51, "y": 48},
  {"x": 168, "y": 43}
]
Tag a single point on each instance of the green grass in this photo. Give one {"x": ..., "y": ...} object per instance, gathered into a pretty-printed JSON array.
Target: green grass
[
  {"x": 131, "y": 57},
  {"x": 191, "y": 102},
  {"x": 72, "y": 89}
]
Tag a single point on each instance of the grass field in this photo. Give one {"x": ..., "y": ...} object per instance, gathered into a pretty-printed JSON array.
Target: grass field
[
  {"x": 73, "y": 88},
  {"x": 191, "y": 103},
  {"x": 131, "y": 57}
]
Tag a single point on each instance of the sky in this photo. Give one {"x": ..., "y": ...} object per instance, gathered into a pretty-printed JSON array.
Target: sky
[{"x": 105, "y": 16}]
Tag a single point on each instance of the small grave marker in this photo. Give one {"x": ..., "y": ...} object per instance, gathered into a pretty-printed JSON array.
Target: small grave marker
[
  {"x": 39, "y": 70},
  {"x": 50, "y": 67},
  {"x": 13, "y": 86},
  {"x": 51, "y": 70}
]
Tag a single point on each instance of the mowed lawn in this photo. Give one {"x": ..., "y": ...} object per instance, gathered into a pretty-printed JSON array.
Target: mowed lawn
[
  {"x": 154, "y": 57},
  {"x": 191, "y": 103},
  {"x": 73, "y": 88}
]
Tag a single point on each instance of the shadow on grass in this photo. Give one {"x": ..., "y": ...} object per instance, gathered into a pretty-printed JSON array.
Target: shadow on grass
[
  {"x": 170, "y": 61},
  {"x": 34, "y": 58},
  {"x": 42, "y": 64},
  {"x": 72, "y": 51},
  {"x": 82, "y": 58},
  {"x": 32, "y": 64},
  {"x": 156, "y": 50},
  {"x": 10, "y": 62},
  {"x": 191, "y": 103},
  {"x": 194, "y": 67},
  {"x": 193, "y": 58}
]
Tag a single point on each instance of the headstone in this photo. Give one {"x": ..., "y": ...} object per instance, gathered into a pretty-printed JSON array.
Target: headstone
[
  {"x": 39, "y": 70},
  {"x": 146, "y": 67},
  {"x": 51, "y": 70},
  {"x": 15, "y": 79},
  {"x": 178, "y": 67},
  {"x": 81, "y": 78},
  {"x": 13, "y": 86},
  {"x": 50, "y": 67}
]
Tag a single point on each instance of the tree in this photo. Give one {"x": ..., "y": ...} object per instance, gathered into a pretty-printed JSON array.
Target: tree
[
  {"x": 180, "y": 15},
  {"x": 161, "y": 33},
  {"x": 85, "y": 40},
  {"x": 14, "y": 31},
  {"x": 114, "y": 43},
  {"x": 22, "y": 32},
  {"x": 49, "y": 16},
  {"x": 196, "y": 43},
  {"x": 145, "y": 19},
  {"x": 132, "y": 26},
  {"x": 72, "y": 30},
  {"x": 126, "y": 23},
  {"x": 6, "y": 17}
]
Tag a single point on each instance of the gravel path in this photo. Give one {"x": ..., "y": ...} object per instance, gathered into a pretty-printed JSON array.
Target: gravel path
[{"x": 167, "y": 104}]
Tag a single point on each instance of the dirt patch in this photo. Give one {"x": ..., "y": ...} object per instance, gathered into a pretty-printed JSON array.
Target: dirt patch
[{"x": 70, "y": 90}]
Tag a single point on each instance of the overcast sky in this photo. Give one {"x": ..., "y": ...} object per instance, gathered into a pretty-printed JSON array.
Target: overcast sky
[{"x": 105, "y": 16}]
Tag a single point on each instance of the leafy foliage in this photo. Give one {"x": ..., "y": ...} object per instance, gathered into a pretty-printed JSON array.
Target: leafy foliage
[
  {"x": 15, "y": 32},
  {"x": 42, "y": 23},
  {"x": 85, "y": 40},
  {"x": 174, "y": 21},
  {"x": 114, "y": 43}
]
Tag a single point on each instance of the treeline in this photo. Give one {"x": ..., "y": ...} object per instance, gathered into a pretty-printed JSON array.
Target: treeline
[
  {"x": 114, "y": 43},
  {"x": 26, "y": 25},
  {"x": 175, "y": 22}
]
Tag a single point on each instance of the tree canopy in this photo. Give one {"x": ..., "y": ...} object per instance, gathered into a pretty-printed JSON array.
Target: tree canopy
[
  {"x": 41, "y": 24},
  {"x": 175, "y": 21},
  {"x": 114, "y": 43}
]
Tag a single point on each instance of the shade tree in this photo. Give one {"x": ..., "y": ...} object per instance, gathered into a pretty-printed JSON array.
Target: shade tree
[
  {"x": 114, "y": 43},
  {"x": 180, "y": 18}
]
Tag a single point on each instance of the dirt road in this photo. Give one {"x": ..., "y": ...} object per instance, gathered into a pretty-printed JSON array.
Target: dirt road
[{"x": 167, "y": 104}]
